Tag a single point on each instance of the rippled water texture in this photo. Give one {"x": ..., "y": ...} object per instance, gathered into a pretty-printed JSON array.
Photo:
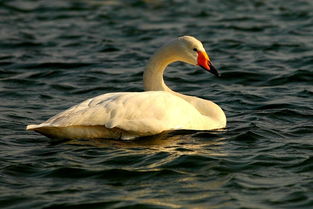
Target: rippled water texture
[{"x": 54, "y": 54}]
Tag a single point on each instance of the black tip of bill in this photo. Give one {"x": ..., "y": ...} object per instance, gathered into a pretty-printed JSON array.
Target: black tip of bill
[{"x": 212, "y": 70}]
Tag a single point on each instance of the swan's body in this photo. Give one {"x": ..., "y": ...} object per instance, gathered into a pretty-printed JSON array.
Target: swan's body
[{"x": 132, "y": 114}]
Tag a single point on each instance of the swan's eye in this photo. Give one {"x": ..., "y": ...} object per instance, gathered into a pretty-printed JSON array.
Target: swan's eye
[{"x": 195, "y": 49}]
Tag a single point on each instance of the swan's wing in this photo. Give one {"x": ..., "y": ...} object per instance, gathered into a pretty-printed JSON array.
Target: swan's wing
[
  {"x": 89, "y": 112},
  {"x": 142, "y": 112}
]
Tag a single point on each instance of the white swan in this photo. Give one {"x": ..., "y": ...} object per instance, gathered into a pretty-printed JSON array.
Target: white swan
[{"x": 128, "y": 115}]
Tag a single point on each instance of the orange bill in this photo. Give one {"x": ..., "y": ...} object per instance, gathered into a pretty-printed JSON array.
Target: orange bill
[{"x": 205, "y": 63}]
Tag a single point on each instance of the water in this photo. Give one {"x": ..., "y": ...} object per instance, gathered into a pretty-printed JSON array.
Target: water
[{"x": 54, "y": 54}]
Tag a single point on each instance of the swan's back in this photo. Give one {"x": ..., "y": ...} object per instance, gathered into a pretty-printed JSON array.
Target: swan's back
[{"x": 123, "y": 115}]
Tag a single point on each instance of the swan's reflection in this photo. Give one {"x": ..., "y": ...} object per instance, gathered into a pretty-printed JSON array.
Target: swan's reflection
[{"x": 185, "y": 141}]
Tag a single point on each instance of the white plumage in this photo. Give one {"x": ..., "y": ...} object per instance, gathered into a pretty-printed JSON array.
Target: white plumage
[{"x": 128, "y": 115}]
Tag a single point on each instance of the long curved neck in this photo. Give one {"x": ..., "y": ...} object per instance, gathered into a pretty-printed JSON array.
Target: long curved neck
[
  {"x": 153, "y": 81},
  {"x": 153, "y": 74}
]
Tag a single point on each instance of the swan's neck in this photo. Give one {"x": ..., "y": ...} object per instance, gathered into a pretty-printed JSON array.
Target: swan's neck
[
  {"x": 153, "y": 74},
  {"x": 153, "y": 81}
]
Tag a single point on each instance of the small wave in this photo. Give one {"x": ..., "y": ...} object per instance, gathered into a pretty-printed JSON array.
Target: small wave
[
  {"x": 53, "y": 65},
  {"x": 297, "y": 76}
]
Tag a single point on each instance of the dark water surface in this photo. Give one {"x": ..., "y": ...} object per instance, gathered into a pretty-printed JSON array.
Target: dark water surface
[{"x": 54, "y": 54}]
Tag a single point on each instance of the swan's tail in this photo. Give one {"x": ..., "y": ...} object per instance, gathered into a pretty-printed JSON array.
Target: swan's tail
[
  {"x": 44, "y": 129},
  {"x": 32, "y": 127},
  {"x": 76, "y": 132}
]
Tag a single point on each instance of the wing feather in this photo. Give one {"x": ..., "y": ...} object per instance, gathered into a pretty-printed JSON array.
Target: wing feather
[{"x": 149, "y": 112}]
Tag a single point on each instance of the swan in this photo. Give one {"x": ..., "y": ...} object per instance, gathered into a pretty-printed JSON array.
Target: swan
[{"x": 128, "y": 115}]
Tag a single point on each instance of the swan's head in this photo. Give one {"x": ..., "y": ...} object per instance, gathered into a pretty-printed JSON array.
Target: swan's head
[{"x": 190, "y": 50}]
